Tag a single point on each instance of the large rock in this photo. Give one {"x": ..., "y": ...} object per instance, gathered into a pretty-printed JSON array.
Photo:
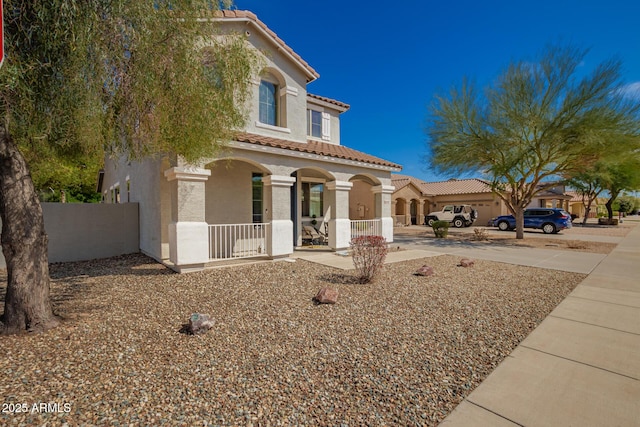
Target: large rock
[
  {"x": 425, "y": 270},
  {"x": 199, "y": 323},
  {"x": 466, "y": 262},
  {"x": 326, "y": 296}
]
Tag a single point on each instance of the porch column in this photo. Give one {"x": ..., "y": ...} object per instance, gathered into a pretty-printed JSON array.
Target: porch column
[
  {"x": 420, "y": 213},
  {"x": 188, "y": 230},
  {"x": 277, "y": 194},
  {"x": 383, "y": 209},
  {"x": 394, "y": 212},
  {"x": 339, "y": 224},
  {"x": 407, "y": 209}
]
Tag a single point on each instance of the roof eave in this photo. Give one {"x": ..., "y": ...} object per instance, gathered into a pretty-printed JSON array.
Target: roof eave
[{"x": 309, "y": 72}]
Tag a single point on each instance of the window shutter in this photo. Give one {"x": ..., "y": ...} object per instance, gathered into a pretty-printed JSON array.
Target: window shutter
[{"x": 326, "y": 126}]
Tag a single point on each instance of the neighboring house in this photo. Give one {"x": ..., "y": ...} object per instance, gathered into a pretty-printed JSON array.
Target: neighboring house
[
  {"x": 577, "y": 208},
  {"x": 286, "y": 169},
  {"x": 413, "y": 198}
]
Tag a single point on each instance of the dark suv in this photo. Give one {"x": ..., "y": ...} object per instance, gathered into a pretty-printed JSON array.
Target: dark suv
[{"x": 550, "y": 220}]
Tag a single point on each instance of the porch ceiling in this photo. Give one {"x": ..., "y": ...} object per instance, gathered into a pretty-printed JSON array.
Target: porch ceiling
[{"x": 316, "y": 147}]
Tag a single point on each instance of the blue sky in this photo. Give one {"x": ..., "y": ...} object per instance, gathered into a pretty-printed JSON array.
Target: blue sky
[{"x": 388, "y": 59}]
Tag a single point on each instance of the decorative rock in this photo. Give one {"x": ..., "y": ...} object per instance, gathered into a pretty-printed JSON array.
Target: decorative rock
[
  {"x": 199, "y": 323},
  {"x": 425, "y": 270},
  {"x": 466, "y": 262},
  {"x": 326, "y": 296}
]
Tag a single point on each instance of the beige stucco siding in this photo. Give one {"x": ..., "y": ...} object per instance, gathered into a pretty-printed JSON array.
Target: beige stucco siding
[{"x": 228, "y": 193}]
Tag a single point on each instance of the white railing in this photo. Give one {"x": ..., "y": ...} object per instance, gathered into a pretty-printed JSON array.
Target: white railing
[
  {"x": 234, "y": 241},
  {"x": 369, "y": 227}
]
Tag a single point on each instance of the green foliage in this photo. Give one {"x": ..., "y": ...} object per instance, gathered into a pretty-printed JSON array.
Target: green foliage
[
  {"x": 368, "y": 254},
  {"x": 440, "y": 228},
  {"x": 83, "y": 78},
  {"x": 539, "y": 120}
]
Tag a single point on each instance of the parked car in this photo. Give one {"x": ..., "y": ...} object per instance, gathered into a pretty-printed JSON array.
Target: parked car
[
  {"x": 549, "y": 220},
  {"x": 458, "y": 215}
]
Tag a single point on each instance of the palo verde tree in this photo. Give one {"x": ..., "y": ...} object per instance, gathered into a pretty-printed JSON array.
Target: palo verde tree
[
  {"x": 613, "y": 173},
  {"x": 85, "y": 77},
  {"x": 537, "y": 123}
]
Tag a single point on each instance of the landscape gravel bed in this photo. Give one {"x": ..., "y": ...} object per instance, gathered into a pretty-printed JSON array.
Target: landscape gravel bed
[{"x": 404, "y": 350}]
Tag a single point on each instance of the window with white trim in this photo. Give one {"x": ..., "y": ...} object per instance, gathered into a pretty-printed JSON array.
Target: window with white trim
[
  {"x": 314, "y": 119},
  {"x": 319, "y": 124},
  {"x": 268, "y": 113}
]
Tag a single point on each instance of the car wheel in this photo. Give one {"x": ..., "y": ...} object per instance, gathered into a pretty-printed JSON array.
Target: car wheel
[
  {"x": 548, "y": 228},
  {"x": 503, "y": 226},
  {"x": 430, "y": 222},
  {"x": 458, "y": 222}
]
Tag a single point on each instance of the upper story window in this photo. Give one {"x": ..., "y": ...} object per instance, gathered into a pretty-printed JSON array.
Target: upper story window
[
  {"x": 314, "y": 119},
  {"x": 268, "y": 103},
  {"x": 318, "y": 124}
]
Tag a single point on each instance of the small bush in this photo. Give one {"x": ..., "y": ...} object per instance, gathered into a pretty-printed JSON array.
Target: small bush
[
  {"x": 480, "y": 234},
  {"x": 368, "y": 253},
  {"x": 440, "y": 228}
]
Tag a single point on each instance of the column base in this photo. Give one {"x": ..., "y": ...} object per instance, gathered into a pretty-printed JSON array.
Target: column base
[
  {"x": 339, "y": 234},
  {"x": 188, "y": 245},
  {"x": 281, "y": 238}
]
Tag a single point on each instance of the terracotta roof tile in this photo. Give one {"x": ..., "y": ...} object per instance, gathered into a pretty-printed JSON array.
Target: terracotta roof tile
[
  {"x": 401, "y": 181},
  {"x": 458, "y": 186},
  {"x": 315, "y": 147},
  {"x": 342, "y": 105},
  {"x": 250, "y": 16},
  {"x": 441, "y": 188}
]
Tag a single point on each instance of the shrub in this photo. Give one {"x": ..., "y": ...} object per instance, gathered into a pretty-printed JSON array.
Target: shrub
[
  {"x": 480, "y": 234},
  {"x": 368, "y": 253},
  {"x": 440, "y": 228}
]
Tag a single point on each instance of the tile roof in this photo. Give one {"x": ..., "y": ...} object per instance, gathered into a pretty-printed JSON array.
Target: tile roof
[
  {"x": 315, "y": 147},
  {"x": 342, "y": 105},
  {"x": 401, "y": 181},
  {"x": 253, "y": 18},
  {"x": 442, "y": 188},
  {"x": 458, "y": 186}
]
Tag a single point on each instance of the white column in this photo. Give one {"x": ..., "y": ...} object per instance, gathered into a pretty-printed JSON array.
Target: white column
[
  {"x": 277, "y": 194},
  {"x": 188, "y": 230},
  {"x": 339, "y": 224},
  {"x": 383, "y": 209}
]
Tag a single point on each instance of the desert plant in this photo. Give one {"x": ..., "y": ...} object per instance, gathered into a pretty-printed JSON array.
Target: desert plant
[
  {"x": 440, "y": 228},
  {"x": 368, "y": 253},
  {"x": 480, "y": 234}
]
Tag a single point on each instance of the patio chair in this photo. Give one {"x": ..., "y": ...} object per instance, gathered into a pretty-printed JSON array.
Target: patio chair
[{"x": 311, "y": 234}]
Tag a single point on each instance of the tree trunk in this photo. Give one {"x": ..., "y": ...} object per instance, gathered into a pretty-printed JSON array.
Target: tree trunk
[
  {"x": 27, "y": 306},
  {"x": 587, "y": 211},
  {"x": 609, "y": 206},
  {"x": 519, "y": 222}
]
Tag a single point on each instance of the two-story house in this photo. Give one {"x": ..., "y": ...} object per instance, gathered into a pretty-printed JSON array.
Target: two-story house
[{"x": 286, "y": 170}]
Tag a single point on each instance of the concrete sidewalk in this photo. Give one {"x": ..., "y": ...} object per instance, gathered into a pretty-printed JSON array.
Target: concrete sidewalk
[{"x": 580, "y": 366}]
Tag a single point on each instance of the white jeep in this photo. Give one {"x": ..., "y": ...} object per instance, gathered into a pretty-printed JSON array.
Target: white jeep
[{"x": 458, "y": 215}]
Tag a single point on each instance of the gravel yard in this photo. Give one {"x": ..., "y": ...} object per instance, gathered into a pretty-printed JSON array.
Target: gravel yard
[{"x": 404, "y": 350}]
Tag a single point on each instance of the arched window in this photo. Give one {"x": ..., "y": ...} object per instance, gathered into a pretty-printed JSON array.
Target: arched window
[{"x": 268, "y": 113}]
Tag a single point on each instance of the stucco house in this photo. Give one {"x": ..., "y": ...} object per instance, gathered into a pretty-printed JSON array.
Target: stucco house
[
  {"x": 286, "y": 169},
  {"x": 414, "y": 198}
]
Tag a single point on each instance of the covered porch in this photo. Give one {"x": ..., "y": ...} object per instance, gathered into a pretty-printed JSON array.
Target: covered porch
[{"x": 248, "y": 204}]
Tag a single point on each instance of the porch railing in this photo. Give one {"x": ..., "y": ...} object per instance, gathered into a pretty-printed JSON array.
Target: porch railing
[
  {"x": 235, "y": 241},
  {"x": 368, "y": 227}
]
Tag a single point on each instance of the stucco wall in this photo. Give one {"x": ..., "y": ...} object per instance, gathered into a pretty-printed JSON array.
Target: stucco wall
[
  {"x": 79, "y": 232},
  {"x": 361, "y": 201},
  {"x": 228, "y": 193}
]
